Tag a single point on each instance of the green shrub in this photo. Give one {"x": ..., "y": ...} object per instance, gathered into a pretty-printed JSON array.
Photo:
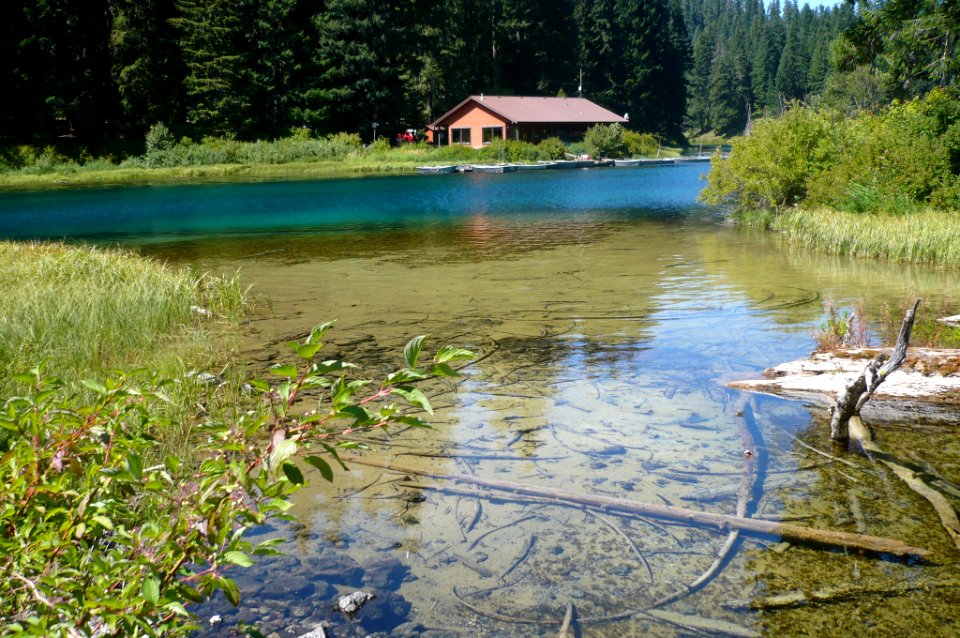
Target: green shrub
[
  {"x": 605, "y": 140},
  {"x": 514, "y": 151},
  {"x": 106, "y": 534},
  {"x": 301, "y": 133},
  {"x": 552, "y": 148},
  {"x": 896, "y": 161},
  {"x": 773, "y": 167},
  {"x": 348, "y": 141},
  {"x": 380, "y": 145},
  {"x": 159, "y": 138},
  {"x": 638, "y": 144}
]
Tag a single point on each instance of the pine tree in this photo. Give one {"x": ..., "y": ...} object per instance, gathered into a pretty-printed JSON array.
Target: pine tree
[
  {"x": 146, "y": 64},
  {"x": 212, "y": 43},
  {"x": 365, "y": 61}
]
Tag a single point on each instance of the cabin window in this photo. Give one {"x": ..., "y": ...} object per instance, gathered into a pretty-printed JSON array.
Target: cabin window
[
  {"x": 460, "y": 136},
  {"x": 491, "y": 133}
]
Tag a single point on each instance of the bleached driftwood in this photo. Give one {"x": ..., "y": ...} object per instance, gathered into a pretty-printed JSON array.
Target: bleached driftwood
[{"x": 851, "y": 400}]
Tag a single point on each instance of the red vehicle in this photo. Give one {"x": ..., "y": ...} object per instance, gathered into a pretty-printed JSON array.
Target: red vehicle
[{"x": 407, "y": 137}]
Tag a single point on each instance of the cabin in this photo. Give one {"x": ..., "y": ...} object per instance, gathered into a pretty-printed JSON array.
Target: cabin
[{"x": 481, "y": 119}]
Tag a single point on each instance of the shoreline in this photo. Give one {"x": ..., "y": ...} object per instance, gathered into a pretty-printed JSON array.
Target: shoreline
[{"x": 112, "y": 177}]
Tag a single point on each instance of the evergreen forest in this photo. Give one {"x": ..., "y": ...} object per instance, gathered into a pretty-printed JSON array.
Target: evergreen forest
[{"x": 253, "y": 69}]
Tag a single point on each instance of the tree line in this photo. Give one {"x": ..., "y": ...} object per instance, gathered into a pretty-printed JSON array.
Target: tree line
[
  {"x": 749, "y": 61},
  {"x": 257, "y": 68}
]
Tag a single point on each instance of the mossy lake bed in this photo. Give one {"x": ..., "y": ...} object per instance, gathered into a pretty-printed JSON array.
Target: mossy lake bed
[{"x": 609, "y": 311}]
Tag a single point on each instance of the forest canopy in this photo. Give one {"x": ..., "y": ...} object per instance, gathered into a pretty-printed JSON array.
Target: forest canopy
[{"x": 255, "y": 69}]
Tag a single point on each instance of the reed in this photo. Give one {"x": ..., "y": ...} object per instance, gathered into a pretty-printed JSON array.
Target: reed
[
  {"x": 926, "y": 236},
  {"x": 87, "y": 310}
]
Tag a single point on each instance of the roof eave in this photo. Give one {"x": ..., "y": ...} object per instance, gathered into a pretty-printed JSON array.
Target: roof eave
[{"x": 472, "y": 98}]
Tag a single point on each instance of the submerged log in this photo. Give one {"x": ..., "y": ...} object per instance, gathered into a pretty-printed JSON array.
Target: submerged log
[
  {"x": 851, "y": 400},
  {"x": 948, "y": 515},
  {"x": 691, "y": 517}
]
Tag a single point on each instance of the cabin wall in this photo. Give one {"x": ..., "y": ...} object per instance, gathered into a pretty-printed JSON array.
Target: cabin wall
[{"x": 475, "y": 118}]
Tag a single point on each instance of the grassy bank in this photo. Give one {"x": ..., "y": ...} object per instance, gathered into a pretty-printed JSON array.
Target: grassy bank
[
  {"x": 297, "y": 157},
  {"x": 929, "y": 236},
  {"x": 883, "y": 184},
  {"x": 85, "y": 311},
  {"x": 69, "y": 177}
]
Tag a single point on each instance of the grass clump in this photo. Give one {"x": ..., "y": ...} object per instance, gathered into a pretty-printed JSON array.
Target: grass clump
[
  {"x": 86, "y": 310},
  {"x": 926, "y": 236},
  {"x": 843, "y": 328}
]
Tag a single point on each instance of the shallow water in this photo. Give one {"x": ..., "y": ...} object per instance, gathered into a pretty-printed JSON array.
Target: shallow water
[{"x": 609, "y": 309}]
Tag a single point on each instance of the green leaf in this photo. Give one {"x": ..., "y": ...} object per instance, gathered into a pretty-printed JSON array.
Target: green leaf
[
  {"x": 414, "y": 397},
  {"x": 230, "y": 590},
  {"x": 99, "y": 388},
  {"x": 151, "y": 589},
  {"x": 238, "y": 558},
  {"x": 267, "y": 547},
  {"x": 307, "y": 351},
  {"x": 103, "y": 522},
  {"x": 317, "y": 333},
  {"x": 293, "y": 473},
  {"x": 177, "y": 608},
  {"x": 403, "y": 376},
  {"x": 324, "y": 468},
  {"x": 284, "y": 370},
  {"x": 26, "y": 377},
  {"x": 332, "y": 365},
  {"x": 411, "y": 352},
  {"x": 283, "y": 451},
  {"x": 444, "y": 370},
  {"x": 449, "y": 353},
  {"x": 172, "y": 463},
  {"x": 413, "y": 422},
  {"x": 135, "y": 466},
  {"x": 259, "y": 384},
  {"x": 360, "y": 415}
]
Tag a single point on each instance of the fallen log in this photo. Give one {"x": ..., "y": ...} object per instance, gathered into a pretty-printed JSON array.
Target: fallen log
[
  {"x": 948, "y": 515},
  {"x": 835, "y": 594},
  {"x": 567, "y": 619},
  {"x": 720, "y": 521}
]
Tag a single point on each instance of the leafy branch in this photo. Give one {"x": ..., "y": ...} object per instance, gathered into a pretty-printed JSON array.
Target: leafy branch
[{"x": 101, "y": 533}]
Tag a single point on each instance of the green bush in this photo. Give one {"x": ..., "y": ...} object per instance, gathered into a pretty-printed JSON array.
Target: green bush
[
  {"x": 605, "y": 140},
  {"x": 897, "y": 161},
  {"x": 159, "y": 138},
  {"x": 525, "y": 152},
  {"x": 552, "y": 149},
  {"x": 106, "y": 534},
  {"x": 639, "y": 144},
  {"x": 773, "y": 167}
]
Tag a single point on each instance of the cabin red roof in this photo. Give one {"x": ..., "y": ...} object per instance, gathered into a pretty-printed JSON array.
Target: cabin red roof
[{"x": 556, "y": 110}]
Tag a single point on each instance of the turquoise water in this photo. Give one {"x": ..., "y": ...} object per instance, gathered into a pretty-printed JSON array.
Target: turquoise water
[
  {"x": 162, "y": 213},
  {"x": 609, "y": 309}
]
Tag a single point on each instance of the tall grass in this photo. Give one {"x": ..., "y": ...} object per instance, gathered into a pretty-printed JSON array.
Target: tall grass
[
  {"x": 926, "y": 236},
  {"x": 86, "y": 310}
]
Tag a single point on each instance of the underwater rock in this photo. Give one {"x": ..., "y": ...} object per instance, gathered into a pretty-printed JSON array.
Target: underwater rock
[
  {"x": 289, "y": 585},
  {"x": 384, "y": 613},
  {"x": 320, "y": 631},
  {"x": 350, "y": 604},
  {"x": 334, "y": 567},
  {"x": 385, "y": 573}
]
